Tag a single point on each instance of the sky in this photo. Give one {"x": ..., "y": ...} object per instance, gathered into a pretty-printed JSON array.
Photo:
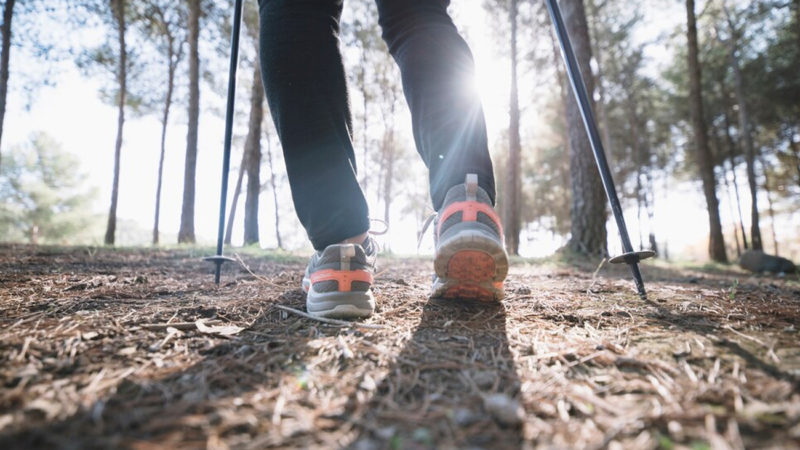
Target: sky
[{"x": 74, "y": 115}]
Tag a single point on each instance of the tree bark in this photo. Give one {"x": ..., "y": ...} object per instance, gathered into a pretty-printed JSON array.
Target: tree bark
[
  {"x": 5, "y": 59},
  {"x": 705, "y": 162},
  {"x": 588, "y": 208},
  {"x": 274, "y": 185},
  {"x": 164, "y": 122},
  {"x": 119, "y": 16},
  {"x": 252, "y": 147},
  {"x": 186, "y": 232},
  {"x": 511, "y": 205}
]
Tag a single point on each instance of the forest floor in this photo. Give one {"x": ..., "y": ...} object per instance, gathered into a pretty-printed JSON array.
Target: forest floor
[{"x": 138, "y": 348}]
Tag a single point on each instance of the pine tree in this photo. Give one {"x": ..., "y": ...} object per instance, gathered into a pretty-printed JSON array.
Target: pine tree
[
  {"x": 5, "y": 59},
  {"x": 512, "y": 204},
  {"x": 186, "y": 231},
  {"x": 588, "y": 211},
  {"x": 162, "y": 22},
  {"x": 44, "y": 201},
  {"x": 704, "y": 159}
]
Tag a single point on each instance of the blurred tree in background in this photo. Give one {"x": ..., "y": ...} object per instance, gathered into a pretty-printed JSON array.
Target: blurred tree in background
[{"x": 45, "y": 200}]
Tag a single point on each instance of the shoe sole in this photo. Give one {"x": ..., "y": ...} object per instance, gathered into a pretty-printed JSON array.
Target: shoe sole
[
  {"x": 471, "y": 264},
  {"x": 340, "y": 305}
]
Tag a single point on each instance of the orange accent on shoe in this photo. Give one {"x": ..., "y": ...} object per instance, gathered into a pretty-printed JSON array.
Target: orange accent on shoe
[
  {"x": 344, "y": 278},
  {"x": 469, "y": 213}
]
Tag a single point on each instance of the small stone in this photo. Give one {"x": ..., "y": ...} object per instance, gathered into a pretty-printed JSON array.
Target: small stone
[
  {"x": 368, "y": 383},
  {"x": 386, "y": 433},
  {"x": 484, "y": 378},
  {"x": 90, "y": 335},
  {"x": 463, "y": 417},
  {"x": 504, "y": 409},
  {"x": 675, "y": 430}
]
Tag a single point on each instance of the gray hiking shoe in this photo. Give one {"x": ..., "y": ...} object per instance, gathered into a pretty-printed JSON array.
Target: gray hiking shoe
[
  {"x": 338, "y": 279},
  {"x": 471, "y": 261}
]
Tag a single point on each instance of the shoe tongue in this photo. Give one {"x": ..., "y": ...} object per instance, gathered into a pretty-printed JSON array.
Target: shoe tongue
[
  {"x": 471, "y": 186},
  {"x": 463, "y": 192}
]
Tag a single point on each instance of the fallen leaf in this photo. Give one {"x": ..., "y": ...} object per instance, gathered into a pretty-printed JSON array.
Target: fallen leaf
[{"x": 222, "y": 330}]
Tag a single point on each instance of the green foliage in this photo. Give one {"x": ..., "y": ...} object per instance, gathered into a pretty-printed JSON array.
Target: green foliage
[{"x": 44, "y": 197}]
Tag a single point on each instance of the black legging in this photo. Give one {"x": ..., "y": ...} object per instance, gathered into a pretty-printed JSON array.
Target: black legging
[{"x": 305, "y": 85}]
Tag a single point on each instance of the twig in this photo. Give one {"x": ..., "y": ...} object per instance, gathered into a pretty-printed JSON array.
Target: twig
[
  {"x": 182, "y": 326},
  {"x": 341, "y": 323},
  {"x": 594, "y": 276},
  {"x": 756, "y": 340},
  {"x": 770, "y": 349},
  {"x": 257, "y": 277}
]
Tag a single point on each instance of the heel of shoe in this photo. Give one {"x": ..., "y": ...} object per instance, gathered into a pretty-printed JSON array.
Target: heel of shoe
[{"x": 470, "y": 265}]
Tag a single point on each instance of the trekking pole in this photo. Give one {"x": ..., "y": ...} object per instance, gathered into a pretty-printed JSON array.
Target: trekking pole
[
  {"x": 629, "y": 256},
  {"x": 219, "y": 259}
]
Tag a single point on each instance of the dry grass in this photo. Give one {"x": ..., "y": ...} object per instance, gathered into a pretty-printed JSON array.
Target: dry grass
[{"x": 103, "y": 349}]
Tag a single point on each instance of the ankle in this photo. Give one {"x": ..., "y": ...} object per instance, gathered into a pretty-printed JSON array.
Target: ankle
[{"x": 356, "y": 239}]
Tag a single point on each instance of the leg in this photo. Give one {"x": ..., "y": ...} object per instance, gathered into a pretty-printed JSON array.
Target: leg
[
  {"x": 307, "y": 94},
  {"x": 450, "y": 132},
  {"x": 437, "y": 67}
]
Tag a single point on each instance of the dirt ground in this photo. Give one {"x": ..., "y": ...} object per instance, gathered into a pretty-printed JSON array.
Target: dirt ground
[{"x": 139, "y": 349}]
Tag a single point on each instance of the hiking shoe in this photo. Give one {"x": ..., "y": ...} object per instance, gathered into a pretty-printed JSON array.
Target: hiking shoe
[
  {"x": 338, "y": 280},
  {"x": 471, "y": 261}
]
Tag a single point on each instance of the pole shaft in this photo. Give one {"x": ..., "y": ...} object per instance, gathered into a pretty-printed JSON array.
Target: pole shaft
[
  {"x": 226, "y": 156},
  {"x": 579, "y": 88}
]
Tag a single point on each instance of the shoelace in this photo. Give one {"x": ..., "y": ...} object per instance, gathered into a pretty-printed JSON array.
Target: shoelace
[
  {"x": 425, "y": 226},
  {"x": 381, "y": 232}
]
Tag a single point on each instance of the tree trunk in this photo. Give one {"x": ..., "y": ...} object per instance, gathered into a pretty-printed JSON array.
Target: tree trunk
[
  {"x": 732, "y": 158},
  {"x": 389, "y": 177},
  {"x": 718, "y": 145},
  {"x": 602, "y": 111},
  {"x": 770, "y": 206},
  {"x": 365, "y": 131},
  {"x": 716, "y": 248},
  {"x": 511, "y": 205},
  {"x": 235, "y": 201},
  {"x": 796, "y": 152},
  {"x": 119, "y": 16},
  {"x": 5, "y": 59},
  {"x": 252, "y": 147},
  {"x": 735, "y": 228},
  {"x": 732, "y": 213},
  {"x": 633, "y": 120},
  {"x": 273, "y": 184},
  {"x": 797, "y": 20},
  {"x": 588, "y": 208},
  {"x": 186, "y": 232},
  {"x": 164, "y": 122},
  {"x": 747, "y": 140},
  {"x": 649, "y": 204},
  {"x": 563, "y": 88}
]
